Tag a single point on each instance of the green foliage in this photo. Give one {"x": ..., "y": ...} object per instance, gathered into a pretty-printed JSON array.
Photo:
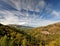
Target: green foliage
[
  {"x": 11, "y": 36},
  {"x": 3, "y": 41},
  {"x": 24, "y": 42},
  {"x": 11, "y": 42}
]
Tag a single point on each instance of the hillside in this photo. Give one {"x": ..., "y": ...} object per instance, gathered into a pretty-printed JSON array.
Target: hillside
[
  {"x": 11, "y": 36},
  {"x": 40, "y": 36},
  {"x": 48, "y": 34}
]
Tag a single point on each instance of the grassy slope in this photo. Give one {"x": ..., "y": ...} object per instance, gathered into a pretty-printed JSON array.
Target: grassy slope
[
  {"x": 40, "y": 36},
  {"x": 16, "y": 36}
]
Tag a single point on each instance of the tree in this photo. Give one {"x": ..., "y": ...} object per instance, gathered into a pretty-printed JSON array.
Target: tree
[
  {"x": 11, "y": 42},
  {"x": 24, "y": 42},
  {"x": 3, "y": 41}
]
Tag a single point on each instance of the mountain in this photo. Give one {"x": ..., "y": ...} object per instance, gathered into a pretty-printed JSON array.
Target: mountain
[
  {"x": 39, "y": 36},
  {"x": 20, "y": 26}
]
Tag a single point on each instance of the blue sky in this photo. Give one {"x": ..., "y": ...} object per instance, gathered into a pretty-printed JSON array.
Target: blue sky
[{"x": 30, "y": 12}]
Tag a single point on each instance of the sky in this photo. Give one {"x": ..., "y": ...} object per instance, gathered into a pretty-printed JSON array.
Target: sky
[{"x": 33, "y": 13}]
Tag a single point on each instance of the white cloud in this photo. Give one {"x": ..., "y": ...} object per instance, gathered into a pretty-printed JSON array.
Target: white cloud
[
  {"x": 17, "y": 4},
  {"x": 55, "y": 13},
  {"x": 26, "y": 4},
  {"x": 19, "y": 23},
  {"x": 41, "y": 22},
  {"x": 25, "y": 18},
  {"x": 42, "y": 3},
  {"x": 22, "y": 23},
  {"x": 46, "y": 22},
  {"x": 10, "y": 18},
  {"x": 14, "y": 3}
]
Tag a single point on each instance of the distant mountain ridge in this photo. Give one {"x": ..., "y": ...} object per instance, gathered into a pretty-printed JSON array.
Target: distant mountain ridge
[{"x": 20, "y": 26}]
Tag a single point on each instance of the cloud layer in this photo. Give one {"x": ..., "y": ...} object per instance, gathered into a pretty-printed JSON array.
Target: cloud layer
[{"x": 27, "y": 12}]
